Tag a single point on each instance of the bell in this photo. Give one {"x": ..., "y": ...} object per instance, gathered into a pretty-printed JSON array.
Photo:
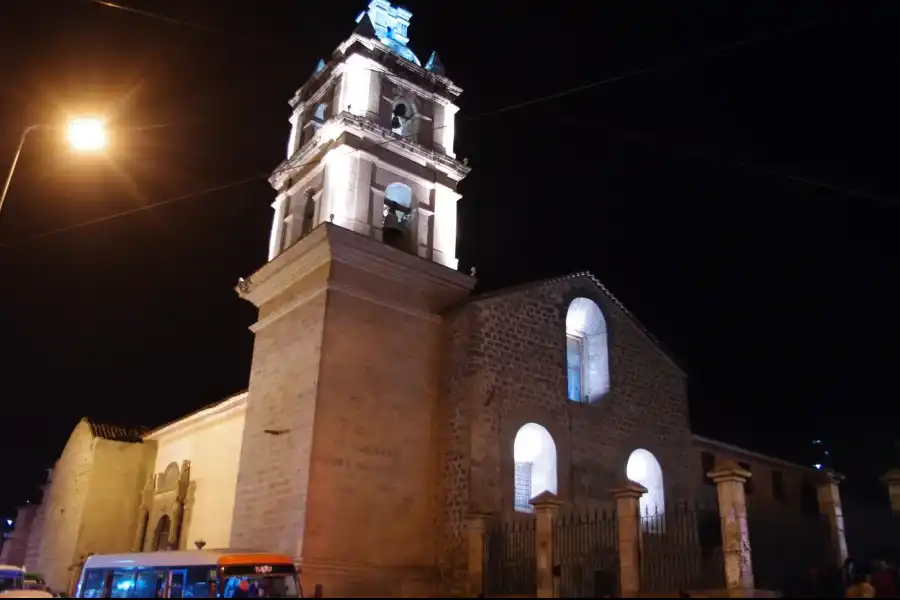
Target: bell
[{"x": 395, "y": 122}]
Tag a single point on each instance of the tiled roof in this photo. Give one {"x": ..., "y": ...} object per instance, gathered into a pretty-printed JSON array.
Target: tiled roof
[{"x": 115, "y": 433}]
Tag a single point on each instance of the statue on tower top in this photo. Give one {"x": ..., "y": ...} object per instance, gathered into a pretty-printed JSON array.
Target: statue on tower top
[{"x": 391, "y": 24}]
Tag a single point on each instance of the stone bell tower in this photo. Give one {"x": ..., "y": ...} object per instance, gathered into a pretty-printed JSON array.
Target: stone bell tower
[{"x": 339, "y": 456}]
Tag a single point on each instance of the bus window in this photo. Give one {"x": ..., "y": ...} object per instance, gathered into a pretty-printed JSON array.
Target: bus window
[
  {"x": 149, "y": 584},
  {"x": 122, "y": 583},
  {"x": 268, "y": 585},
  {"x": 11, "y": 580},
  {"x": 93, "y": 583},
  {"x": 200, "y": 583}
]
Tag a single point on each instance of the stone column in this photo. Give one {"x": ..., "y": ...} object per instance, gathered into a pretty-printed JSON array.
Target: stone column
[
  {"x": 829, "y": 496},
  {"x": 892, "y": 480},
  {"x": 546, "y": 507},
  {"x": 476, "y": 538},
  {"x": 628, "y": 512},
  {"x": 181, "y": 496},
  {"x": 730, "y": 478},
  {"x": 143, "y": 529}
]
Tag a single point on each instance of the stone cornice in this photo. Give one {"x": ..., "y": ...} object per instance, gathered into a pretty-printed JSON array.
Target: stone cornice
[
  {"x": 367, "y": 128},
  {"x": 329, "y": 242}
]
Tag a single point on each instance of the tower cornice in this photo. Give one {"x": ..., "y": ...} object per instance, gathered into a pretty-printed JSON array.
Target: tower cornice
[{"x": 367, "y": 129}]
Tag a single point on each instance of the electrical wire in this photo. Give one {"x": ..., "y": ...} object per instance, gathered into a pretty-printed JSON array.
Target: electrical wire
[{"x": 757, "y": 38}]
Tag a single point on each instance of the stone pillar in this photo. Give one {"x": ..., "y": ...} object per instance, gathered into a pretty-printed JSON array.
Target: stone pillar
[
  {"x": 829, "y": 496},
  {"x": 476, "y": 538},
  {"x": 730, "y": 478},
  {"x": 546, "y": 507},
  {"x": 181, "y": 494},
  {"x": 628, "y": 512},
  {"x": 143, "y": 529},
  {"x": 892, "y": 480}
]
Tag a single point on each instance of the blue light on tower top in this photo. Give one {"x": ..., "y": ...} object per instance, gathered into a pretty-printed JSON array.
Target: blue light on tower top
[{"x": 391, "y": 25}]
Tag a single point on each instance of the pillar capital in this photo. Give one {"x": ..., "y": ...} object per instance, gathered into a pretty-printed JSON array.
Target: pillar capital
[
  {"x": 478, "y": 519},
  {"x": 628, "y": 489},
  {"x": 728, "y": 470},
  {"x": 546, "y": 501},
  {"x": 830, "y": 477}
]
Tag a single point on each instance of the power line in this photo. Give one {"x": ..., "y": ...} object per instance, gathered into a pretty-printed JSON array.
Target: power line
[
  {"x": 191, "y": 25},
  {"x": 509, "y": 108},
  {"x": 707, "y": 154}
]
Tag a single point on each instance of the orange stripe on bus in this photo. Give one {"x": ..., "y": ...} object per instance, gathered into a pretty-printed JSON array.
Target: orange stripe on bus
[{"x": 255, "y": 559}]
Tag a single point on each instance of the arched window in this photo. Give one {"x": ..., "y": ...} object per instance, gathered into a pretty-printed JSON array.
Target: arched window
[
  {"x": 587, "y": 352},
  {"x": 161, "y": 537},
  {"x": 397, "y": 216},
  {"x": 643, "y": 468},
  {"x": 319, "y": 114},
  {"x": 404, "y": 119},
  {"x": 534, "y": 453},
  {"x": 145, "y": 524}
]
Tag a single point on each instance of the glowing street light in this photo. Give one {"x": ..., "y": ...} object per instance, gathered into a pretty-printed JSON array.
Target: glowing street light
[
  {"x": 87, "y": 134},
  {"x": 84, "y": 134}
]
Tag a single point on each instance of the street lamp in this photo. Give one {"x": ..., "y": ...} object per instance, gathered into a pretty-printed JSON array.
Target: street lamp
[{"x": 84, "y": 134}]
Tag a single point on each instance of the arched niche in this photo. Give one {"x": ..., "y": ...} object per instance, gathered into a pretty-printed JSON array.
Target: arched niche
[
  {"x": 396, "y": 230},
  {"x": 643, "y": 468},
  {"x": 534, "y": 457},
  {"x": 587, "y": 351},
  {"x": 161, "y": 535}
]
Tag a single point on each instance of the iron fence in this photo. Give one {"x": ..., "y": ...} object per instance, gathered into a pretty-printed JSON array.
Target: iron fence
[
  {"x": 510, "y": 565},
  {"x": 681, "y": 549},
  {"x": 586, "y": 555},
  {"x": 872, "y": 531},
  {"x": 785, "y": 543}
]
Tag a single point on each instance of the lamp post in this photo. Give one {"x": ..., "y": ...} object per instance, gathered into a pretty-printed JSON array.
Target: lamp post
[{"x": 85, "y": 134}]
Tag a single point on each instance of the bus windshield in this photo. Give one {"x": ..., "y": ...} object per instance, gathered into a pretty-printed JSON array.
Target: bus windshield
[
  {"x": 260, "y": 582},
  {"x": 11, "y": 580}
]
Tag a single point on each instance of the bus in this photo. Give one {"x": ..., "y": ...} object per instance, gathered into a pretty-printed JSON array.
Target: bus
[
  {"x": 189, "y": 574},
  {"x": 11, "y": 578}
]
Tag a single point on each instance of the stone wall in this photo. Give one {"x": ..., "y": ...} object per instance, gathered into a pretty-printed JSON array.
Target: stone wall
[
  {"x": 507, "y": 367},
  {"x": 211, "y": 441},
  {"x": 16, "y": 545},
  {"x": 64, "y": 508},
  {"x": 760, "y": 488},
  {"x": 272, "y": 484},
  {"x": 110, "y": 512}
]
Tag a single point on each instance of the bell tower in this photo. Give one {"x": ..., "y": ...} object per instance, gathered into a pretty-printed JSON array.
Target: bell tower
[
  {"x": 371, "y": 145},
  {"x": 340, "y": 457}
]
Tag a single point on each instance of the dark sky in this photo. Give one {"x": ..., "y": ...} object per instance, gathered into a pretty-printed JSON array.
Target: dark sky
[{"x": 741, "y": 203}]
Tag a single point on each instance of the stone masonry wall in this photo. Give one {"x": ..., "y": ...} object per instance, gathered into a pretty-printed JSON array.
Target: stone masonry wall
[
  {"x": 273, "y": 477},
  {"x": 111, "y": 505},
  {"x": 35, "y": 535},
  {"x": 507, "y": 367},
  {"x": 370, "y": 504},
  {"x": 64, "y": 508}
]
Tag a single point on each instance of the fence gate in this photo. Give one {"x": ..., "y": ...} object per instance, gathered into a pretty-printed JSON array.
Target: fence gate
[
  {"x": 586, "y": 555},
  {"x": 786, "y": 543},
  {"x": 681, "y": 549},
  {"x": 510, "y": 565}
]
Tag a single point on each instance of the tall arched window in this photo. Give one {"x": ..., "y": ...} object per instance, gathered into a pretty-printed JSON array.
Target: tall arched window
[
  {"x": 161, "y": 536},
  {"x": 587, "y": 352},
  {"x": 643, "y": 468},
  {"x": 534, "y": 454}
]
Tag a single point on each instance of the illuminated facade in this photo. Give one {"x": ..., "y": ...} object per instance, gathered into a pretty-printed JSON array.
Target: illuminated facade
[{"x": 386, "y": 404}]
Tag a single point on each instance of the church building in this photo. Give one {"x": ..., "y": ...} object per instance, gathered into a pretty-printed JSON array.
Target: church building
[{"x": 386, "y": 402}]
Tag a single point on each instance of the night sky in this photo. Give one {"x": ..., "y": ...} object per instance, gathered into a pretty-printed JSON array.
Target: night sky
[{"x": 729, "y": 173}]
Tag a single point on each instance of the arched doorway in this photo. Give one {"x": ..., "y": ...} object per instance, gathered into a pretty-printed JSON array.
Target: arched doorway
[
  {"x": 161, "y": 536},
  {"x": 534, "y": 455}
]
